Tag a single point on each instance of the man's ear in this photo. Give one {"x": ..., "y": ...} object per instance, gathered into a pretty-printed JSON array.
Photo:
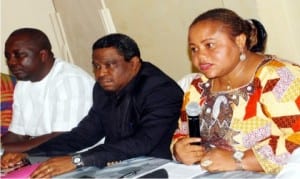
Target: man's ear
[
  {"x": 240, "y": 40},
  {"x": 43, "y": 55},
  {"x": 136, "y": 62}
]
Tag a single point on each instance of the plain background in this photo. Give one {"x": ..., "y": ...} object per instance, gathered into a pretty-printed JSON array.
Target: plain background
[{"x": 159, "y": 26}]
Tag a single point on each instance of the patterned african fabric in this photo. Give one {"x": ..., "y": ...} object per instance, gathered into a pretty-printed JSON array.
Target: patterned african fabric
[
  {"x": 263, "y": 115},
  {"x": 7, "y": 89}
]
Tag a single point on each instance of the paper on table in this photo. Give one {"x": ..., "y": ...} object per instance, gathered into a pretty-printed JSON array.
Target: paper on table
[{"x": 23, "y": 172}]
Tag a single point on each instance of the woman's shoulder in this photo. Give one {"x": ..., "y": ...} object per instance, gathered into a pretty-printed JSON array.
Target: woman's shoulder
[{"x": 275, "y": 67}]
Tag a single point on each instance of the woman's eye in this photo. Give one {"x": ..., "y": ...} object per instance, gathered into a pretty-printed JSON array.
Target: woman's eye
[
  {"x": 193, "y": 49},
  {"x": 210, "y": 45}
]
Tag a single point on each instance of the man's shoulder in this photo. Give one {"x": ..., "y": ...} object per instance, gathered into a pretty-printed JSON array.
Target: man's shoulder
[
  {"x": 151, "y": 77},
  {"x": 152, "y": 72},
  {"x": 65, "y": 69}
]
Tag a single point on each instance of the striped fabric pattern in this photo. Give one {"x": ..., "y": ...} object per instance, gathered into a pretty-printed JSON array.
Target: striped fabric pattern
[{"x": 8, "y": 83}]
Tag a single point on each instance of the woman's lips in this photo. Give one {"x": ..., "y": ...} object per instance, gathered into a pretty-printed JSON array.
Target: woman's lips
[{"x": 205, "y": 67}]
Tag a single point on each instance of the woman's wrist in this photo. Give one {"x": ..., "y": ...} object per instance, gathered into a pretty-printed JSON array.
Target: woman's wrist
[
  {"x": 238, "y": 156},
  {"x": 239, "y": 165}
]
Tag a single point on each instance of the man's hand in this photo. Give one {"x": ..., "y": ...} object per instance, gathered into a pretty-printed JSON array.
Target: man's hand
[
  {"x": 54, "y": 166},
  {"x": 187, "y": 153},
  {"x": 9, "y": 160}
]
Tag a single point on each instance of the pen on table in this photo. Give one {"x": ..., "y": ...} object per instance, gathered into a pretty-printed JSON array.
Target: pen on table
[{"x": 129, "y": 174}]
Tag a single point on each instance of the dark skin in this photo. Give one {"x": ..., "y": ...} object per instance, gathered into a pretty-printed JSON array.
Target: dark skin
[
  {"x": 222, "y": 160},
  {"x": 27, "y": 62},
  {"x": 216, "y": 55},
  {"x": 113, "y": 73}
]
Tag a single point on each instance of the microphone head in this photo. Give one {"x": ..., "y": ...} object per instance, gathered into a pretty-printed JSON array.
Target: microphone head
[{"x": 193, "y": 109}]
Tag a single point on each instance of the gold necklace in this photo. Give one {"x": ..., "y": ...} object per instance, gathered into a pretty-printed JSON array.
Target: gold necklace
[
  {"x": 228, "y": 86},
  {"x": 228, "y": 82}
]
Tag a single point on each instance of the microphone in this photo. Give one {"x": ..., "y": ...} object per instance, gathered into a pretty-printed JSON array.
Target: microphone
[{"x": 193, "y": 111}]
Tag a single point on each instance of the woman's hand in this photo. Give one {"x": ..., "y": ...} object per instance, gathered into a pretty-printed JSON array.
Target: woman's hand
[
  {"x": 53, "y": 167},
  {"x": 187, "y": 153},
  {"x": 218, "y": 160},
  {"x": 9, "y": 160}
]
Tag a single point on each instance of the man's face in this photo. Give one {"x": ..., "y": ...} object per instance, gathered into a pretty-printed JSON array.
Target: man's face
[
  {"x": 23, "y": 58},
  {"x": 111, "y": 70}
]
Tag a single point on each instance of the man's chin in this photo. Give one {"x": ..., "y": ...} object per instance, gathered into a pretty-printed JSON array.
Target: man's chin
[
  {"x": 21, "y": 77},
  {"x": 109, "y": 88}
]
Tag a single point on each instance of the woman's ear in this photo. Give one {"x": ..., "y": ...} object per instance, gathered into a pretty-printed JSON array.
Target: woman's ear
[{"x": 240, "y": 40}]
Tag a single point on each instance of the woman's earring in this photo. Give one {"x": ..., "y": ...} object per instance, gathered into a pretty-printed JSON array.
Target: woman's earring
[{"x": 243, "y": 56}]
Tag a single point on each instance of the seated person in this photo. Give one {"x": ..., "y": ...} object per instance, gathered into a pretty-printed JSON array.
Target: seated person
[
  {"x": 250, "y": 101},
  {"x": 135, "y": 107},
  {"x": 8, "y": 83},
  {"x": 51, "y": 95}
]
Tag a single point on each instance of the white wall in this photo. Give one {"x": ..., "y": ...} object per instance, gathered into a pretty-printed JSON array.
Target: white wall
[
  {"x": 281, "y": 18},
  {"x": 27, "y": 13},
  {"x": 159, "y": 26}
]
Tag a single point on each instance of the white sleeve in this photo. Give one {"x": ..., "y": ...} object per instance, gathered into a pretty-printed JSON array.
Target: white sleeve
[
  {"x": 185, "y": 82},
  {"x": 17, "y": 122}
]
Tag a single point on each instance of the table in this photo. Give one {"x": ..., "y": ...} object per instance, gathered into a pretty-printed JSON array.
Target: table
[{"x": 159, "y": 168}]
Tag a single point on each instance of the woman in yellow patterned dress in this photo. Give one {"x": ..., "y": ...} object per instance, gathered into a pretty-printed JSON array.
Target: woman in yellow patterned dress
[{"x": 250, "y": 101}]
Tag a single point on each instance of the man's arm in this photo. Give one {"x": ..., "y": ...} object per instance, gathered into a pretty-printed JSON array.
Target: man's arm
[
  {"x": 10, "y": 137},
  {"x": 12, "y": 142},
  {"x": 88, "y": 132},
  {"x": 160, "y": 112}
]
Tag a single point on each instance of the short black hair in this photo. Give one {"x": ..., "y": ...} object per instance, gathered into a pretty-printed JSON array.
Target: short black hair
[
  {"x": 36, "y": 36},
  {"x": 125, "y": 45}
]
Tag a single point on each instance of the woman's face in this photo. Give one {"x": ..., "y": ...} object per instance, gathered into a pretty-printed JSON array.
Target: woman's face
[{"x": 214, "y": 52}]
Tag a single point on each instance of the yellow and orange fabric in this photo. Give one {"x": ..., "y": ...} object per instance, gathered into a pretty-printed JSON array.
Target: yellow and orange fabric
[
  {"x": 263, "y": 116},
  {"x": 8, "y": 83}
]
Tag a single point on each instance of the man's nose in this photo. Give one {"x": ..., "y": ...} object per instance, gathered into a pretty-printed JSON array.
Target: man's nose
[
  {"x": 101, "y": 72},
  {"x": 11, "y": 60}
]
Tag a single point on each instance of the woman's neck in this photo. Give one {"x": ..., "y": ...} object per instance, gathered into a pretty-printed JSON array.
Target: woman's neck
[{"x": 240, "y": 76}]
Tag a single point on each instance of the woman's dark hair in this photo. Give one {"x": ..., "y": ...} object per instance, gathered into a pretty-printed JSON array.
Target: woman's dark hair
[
  {"x": 234, "y": 24},
  {"x": 260, "y": 34},
  {"x": 125, "y": 45}
]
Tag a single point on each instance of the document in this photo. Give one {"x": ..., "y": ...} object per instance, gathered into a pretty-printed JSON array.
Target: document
[{"x": 23, "y": 172}]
